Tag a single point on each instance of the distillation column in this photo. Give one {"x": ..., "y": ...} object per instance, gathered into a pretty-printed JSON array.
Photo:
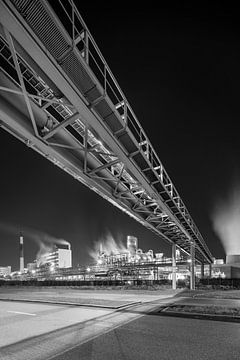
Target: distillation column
[{"x": 174, "y": 266}]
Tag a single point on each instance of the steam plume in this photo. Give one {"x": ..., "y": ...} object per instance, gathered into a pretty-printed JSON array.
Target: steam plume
[
  {"x": 226, "y": 222},
  {"x": 107, "y": 245}
]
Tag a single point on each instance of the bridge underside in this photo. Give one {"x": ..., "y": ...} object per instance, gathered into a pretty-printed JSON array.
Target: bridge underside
[{"x": 58, "y": 96}]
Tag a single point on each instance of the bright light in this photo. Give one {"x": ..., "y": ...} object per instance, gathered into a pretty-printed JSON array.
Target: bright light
[
  {"x": 33, "y": 271},
  {"x": 88, "y": 269},
  {"x": 180, "y": 277},
  {"x": 99, "y": 262},
  {"x": 52, "y": 267}
]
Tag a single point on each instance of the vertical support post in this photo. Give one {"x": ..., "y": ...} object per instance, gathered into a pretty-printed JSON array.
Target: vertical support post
[
  {"x": 105, "y": 81},
  {"x": 192, "y": 267},
  {"x": 210, "y": 271},
  {"x": 73, "y": 24},
  {"x": 174, "y": 266},
  {"x": 125, "y": 113},
  {"x": 202, "y": 270},
  {"x": 85, "y": 148},
  {"x": 86, "y": 48}
]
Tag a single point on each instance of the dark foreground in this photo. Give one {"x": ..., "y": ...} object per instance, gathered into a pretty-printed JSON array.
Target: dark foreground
[
  {"x": 112, "y": 325},
  {"x": 160, "y": 338}
]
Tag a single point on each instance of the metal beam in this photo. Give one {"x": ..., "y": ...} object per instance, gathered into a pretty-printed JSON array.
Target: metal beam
[
  {"x": 104, "y": 166},
  {"x": 33, "y": 96},
  {"x": 64, "y": 123},
  {"x": 24, "y": 91}
]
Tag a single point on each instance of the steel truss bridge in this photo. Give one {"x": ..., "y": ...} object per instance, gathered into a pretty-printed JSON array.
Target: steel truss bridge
[{"x": 59, "y": 97}]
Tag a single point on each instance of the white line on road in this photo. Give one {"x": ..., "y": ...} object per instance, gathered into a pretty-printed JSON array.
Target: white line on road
[{"x": 22, "y": 313}]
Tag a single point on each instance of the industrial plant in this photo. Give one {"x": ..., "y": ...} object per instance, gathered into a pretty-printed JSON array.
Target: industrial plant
[{"x": 114, "y": 262}]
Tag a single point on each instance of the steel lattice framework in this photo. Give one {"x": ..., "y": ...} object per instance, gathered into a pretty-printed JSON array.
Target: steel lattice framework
[{"x": 58, "y": 95}]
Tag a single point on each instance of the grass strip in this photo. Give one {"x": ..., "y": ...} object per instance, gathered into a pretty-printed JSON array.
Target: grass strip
[{"x": 208, "y": 310}]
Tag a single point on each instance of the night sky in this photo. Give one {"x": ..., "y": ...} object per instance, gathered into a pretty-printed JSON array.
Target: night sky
[{"x": 179, "y": 69}]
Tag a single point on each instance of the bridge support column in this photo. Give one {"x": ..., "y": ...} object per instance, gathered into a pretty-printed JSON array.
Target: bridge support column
[
  {"x": 202, "y": 270},
  {"x": 174, "y": 282},
  {"x": 192, "y": 267},
  {"x": 210, "y": 271}
]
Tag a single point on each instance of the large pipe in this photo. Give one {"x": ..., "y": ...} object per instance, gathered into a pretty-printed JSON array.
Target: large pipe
[{"x": 21, "y": 253}]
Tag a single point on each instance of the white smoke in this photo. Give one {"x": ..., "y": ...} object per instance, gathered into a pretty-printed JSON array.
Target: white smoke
[
  {"x": 107, "y": 245},
  {"x": 45, "y": 241},
  {"x": 226, "y": 222}
]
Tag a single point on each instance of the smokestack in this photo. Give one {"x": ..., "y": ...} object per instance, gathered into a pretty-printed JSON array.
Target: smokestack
[{"x": 21, "y": 253}]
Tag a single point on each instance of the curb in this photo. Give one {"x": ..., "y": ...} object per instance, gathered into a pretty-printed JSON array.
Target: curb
[{"x": 73, "y": 303}]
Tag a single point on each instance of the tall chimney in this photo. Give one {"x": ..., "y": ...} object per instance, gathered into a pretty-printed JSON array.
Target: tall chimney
[{"x": 21, "y": 253}]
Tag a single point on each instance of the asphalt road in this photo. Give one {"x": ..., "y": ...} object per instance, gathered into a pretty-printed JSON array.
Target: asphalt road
[
  {"x": 34, "y": 331},
  {"x": 153, "y": 337},
  {"x": 109, "y": 298},
  {"x": 20, "y": 321},
  {"x": 47, "y": 331}
]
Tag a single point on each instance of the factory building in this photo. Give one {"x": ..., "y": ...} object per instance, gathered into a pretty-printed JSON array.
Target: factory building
[
  {"x": 5, "y": 271},
  {"x": 228, "y": 270},
  {"x": 58, "y": 258}
]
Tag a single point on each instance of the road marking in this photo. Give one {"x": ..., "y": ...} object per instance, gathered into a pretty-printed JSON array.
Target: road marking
[{"x": 22, "y": 313}]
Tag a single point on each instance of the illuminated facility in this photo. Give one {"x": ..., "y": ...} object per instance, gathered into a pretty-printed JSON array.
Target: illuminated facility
[
  {"x": 5, "y": 271},
  {"x": 118, "y": 262}
]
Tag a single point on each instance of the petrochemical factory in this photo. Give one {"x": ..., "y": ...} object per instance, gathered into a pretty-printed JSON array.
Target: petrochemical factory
[{"x": 125, "y": 263}]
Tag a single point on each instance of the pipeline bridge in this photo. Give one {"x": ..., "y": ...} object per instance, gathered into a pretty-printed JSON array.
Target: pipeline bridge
[{"x": 59, "y": 97}]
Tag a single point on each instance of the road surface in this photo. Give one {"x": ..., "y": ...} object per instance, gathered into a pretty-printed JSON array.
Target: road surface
[
  {"x": 154, "y": 337},
  {"x": 38, "y": 331},
  {"x": 104, "y": 334}
]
